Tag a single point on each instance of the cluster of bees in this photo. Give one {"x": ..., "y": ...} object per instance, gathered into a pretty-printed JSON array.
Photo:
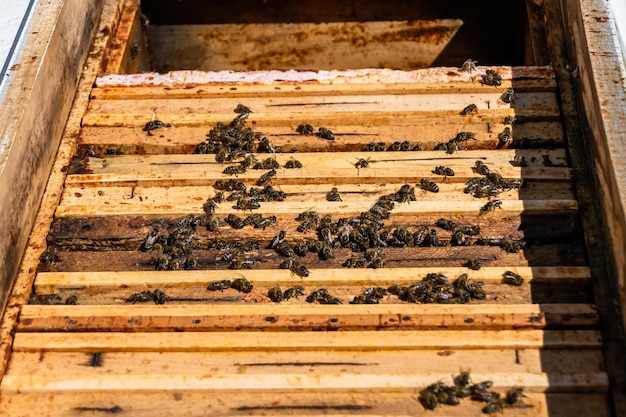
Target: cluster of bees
[
  {"x": 239, "y": 284},
  {"x": 437, "y": 288},
  {"x": 157, "y": 296},
  {"x": 392, "y": 147},
  {"x": 442, "y": 393},
  {"x": 175, "y": 247}
]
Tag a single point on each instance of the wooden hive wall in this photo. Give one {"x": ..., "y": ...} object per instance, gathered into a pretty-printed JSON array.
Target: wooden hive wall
[{"x": 228, "y": 353}]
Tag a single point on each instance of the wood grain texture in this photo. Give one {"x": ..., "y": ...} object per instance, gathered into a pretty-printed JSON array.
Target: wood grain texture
[
  {"x": 23, "y": 282},
  {"x": 316, "y": 404}
]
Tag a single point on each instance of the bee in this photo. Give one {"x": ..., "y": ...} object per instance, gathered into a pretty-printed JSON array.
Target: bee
[
  {"x": 241, "y": 264},
  {"x": 252, "y": 219},
  {"x": 159, "y": 297},
  {"x": 213, "y": 223},
  {"x": 278, "y": 239},
  {"x": 445, "y": 171},
  {"x": 265, "y": 146},
  {"x": 354, "y": 262},
  {"x": 433, "y": 238},
  {"x": 480, "y": 168},
  {"x": 419, "y": 236},
  {"x": 362, "y": 163},
  {"x": 246, "y": 204},
  {"x": 191, "y": 263},
  {"x": 473, "y": 264},
  {"x": 428, "y": 185},
  {"x": 305, "y": 129},
  {"x": 459, "y": 239},
  {"x": 71, "y": 300},
  {"x": 504, "y": 137},
  {"x": 300, "y": 248},
  {"x": 267, "y": 163},
  {"x": 513, "y": 395},
  {"x": 299, "y": 269},
  {"x": 235, "y": 221},
  {"x": 491, "y": 78},
  {"x": 469, "y": 65},
  {"x": 370, "y": 147},
  {"x": 50, "y": 254},
  {"x": 266, "y": 222},
  {"x": 293, "y": 292},
  {"x": 470, "y": 230},
  {"x": 324, "y": 133},
  {"x": 242, "y": 109},
  {"x": 491, "y": 206},
  {"x": 322, "y": 296},
  {"x": 275, "y": 294},
  {"x": 326, "y": 252},
  {"x": 219, "y": 285},
  {"x": 511, "y": 278},
  {"x": 333, "y": 195},
  {"x": 446, "y": 224},
  {"x": 405, "y": 146},
  {"x": 163, "y": 263},
  {"x": 293, "y": 164},
  {"x": 394, "y": 147},
  {"x": 265, "y": 178},
  {"x": 140, "y": 297},
  {"x": 111, "y": 150},
  {"x": 284, "y": 249},
  {"x": 510, "y": 120},
  {"x": 234, "y": 170},
  {"x": 508, "y": 96},
  {"x": 470, "y": 109},
  {"x": 494, "y": 406},
  {"x": 229, "y": 185},
  {"x": 242, "y": 285},
  {"x": 154, "y": 123},
  {"x": 304, "y": 227},
  {"x": 519, "y": 161},
  {"x": 428, "y": 399}
]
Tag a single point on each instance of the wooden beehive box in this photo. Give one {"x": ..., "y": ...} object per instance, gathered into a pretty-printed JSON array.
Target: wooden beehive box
[{"x": 78, "y": 342}]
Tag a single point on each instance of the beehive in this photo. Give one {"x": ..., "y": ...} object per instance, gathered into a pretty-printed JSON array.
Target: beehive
[{"x": 229, "y": 353}]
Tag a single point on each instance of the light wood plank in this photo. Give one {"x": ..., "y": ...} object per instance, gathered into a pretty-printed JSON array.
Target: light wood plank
[
  {"x": 353, "y": 138},
  {"x": 541, "y": 83},
  {"x": 50, "y": 282},
  {"x": 354, "y": 78},
  {"x": 324, "y": 382},
  {"x": 267, "y": 341},
  {"x": 484, "y": 361},
  {"x": 165, "y": 404},
  {"x": 124, "y": 198},
  {"x": 35, "y": 318}
]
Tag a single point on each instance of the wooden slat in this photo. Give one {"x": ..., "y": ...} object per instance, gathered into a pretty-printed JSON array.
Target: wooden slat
[
  {"x": 191, "y": 404},
  {"x": 280, "y": 381},
  {"x": 268, "y": 341},
  {"x": 537, "y": 102},
  {"x": 47, "y": 283},
  {"x": 561, "y": 361},
  {"x": 183, "y": 139},
  {"x": 307, "y": 89},
  {"x": 123, "y": 197},
  {"x": 279, "y": 117},
  {"x": 34, "y": 318}
]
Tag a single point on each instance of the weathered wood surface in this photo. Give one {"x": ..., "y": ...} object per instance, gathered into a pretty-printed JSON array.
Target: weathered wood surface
[
  {"x": 290, "y": 317},
  {"x": 311, "y": 404},
  {"x": 333, "y": 45},
  {"x": 32, "y": 117}
]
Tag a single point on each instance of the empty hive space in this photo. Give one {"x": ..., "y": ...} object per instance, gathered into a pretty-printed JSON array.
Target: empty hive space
[{"x": 380, "y": 230}]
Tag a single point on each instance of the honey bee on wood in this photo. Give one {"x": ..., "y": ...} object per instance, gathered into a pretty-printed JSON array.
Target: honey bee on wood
[
  {"x": 322, "y": 296},
  {"x": 446, "y": 224},
  {"x": 519, "y": 161},
  {"x": 235, "y": 221},
  {"x": 428, "y": 185},
  {"x": 469, "y": 66},
  {"x": 50, "y": 254},
  {"x": 219, "y": 285},
  {"x": 504, "y": 138},
  {"x": 445, "y": 171},
  {"x": 473, "y": 264},
  {"x": 246, "y": 203},
  {"x": 491, "y": 78},
  {"x": 305, "y": 129},
  {"x": 333, "y": 195},
  {"x": 265, "y": 178},
  {"x": 299, "y": 269},
  {"x": 71, "y": 300},
  {"x": 469, "y": 109},
  {"x": 154, "y": 123},
  {"x": 266, "y": 222},
  {"x": 511, "y": 278},
  {"x": 470, "y": 230},
  {"x": 293, "y": 164},
  {"x": 491, "y": 206},
  {"x": 242, "y": 285},
  {"x": 508, "y": 96},
  {"x": 275, "y": 294},
  {"x": 324, "y": 133},
  {"x": 234, "y": 170},
  {"x": 159, "y": 297},
  {"x": 242, "y": 109},
  {"x": 480, "y": 168},
  {"x": 362, "y": 163},
  {"x": 278, "y": 239},
  {"x": 293, "y": 292},
  {"x": 394, "y": 147}
]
